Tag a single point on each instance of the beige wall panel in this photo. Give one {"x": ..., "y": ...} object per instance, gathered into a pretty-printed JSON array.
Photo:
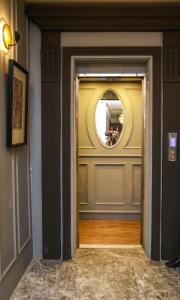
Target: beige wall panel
[
  {"x": 89, "y": 143},
  {"x": 135, "y": 98},
  {"x": 110, "y": 39},
  {"x": 127, "y": 164},
  {"x": 136, "y": 184},
  {"x": 83, "y": 187},
  {"x": 85, "y": 97},
  {"x": 109, "y": 184},
  {"x": 114, "y": 174}
]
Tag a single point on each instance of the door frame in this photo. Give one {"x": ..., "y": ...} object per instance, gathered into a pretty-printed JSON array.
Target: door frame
[
  {"x": 68, "y": 53},
  {"x": 146, "y": 127}
]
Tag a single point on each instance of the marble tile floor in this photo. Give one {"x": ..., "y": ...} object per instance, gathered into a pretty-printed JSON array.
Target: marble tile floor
[{"x": 95, "y": 274}]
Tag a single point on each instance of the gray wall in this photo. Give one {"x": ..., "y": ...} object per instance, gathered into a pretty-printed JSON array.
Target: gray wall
[
  {"x": 35, "y": 137},
  {"x": 15, "y": 224}
]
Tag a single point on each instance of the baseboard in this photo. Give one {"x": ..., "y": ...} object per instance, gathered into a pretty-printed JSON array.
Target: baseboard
[
  {"x": 15, "y": 273},
  {"x": 109, "y": 216},
  {"x": 109, "y": 246}
]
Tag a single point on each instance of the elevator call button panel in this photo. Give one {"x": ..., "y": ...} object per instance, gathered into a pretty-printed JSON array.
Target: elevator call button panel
[{"x": 172, "y": 146}]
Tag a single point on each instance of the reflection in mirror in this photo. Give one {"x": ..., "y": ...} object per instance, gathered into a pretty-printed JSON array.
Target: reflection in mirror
[{"x": 109, "y": 118}]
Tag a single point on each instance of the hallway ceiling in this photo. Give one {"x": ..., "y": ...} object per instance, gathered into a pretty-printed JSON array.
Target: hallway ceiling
[{"x": 102, "y": 1}]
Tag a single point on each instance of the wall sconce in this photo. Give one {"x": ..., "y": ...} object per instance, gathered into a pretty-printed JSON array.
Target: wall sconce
[{"x": 6, "y": 37}]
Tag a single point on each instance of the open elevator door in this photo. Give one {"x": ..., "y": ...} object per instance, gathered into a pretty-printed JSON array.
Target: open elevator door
[{"x": 147, "y": 156}]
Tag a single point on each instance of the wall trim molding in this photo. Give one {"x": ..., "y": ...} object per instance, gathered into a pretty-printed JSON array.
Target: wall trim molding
[
  {"x": 112, "y": 155},
  {"x": 96, "y": 215}
]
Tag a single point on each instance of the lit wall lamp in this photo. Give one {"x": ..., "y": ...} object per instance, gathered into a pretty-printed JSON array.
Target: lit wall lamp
[{"x": 6, "y": 37}]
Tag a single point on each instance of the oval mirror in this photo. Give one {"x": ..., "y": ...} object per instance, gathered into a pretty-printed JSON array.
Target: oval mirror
[{"x": 109, "y": 119}]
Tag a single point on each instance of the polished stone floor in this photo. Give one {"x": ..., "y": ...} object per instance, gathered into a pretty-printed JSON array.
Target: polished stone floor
[{"x": 111, "y": 274}]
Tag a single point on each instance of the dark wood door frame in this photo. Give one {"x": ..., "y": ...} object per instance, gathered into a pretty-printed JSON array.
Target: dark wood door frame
[{"x": 155, "y": 53}]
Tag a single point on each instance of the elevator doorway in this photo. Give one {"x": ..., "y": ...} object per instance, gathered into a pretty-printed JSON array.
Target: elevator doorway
[
  {"x": 75, "y": 62},
  {"x": 110, "y": 161},
  {"x": 140, "y": 74}
]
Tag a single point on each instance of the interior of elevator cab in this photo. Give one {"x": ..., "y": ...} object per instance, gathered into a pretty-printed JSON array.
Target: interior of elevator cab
[{"x": 110, "y": 160}]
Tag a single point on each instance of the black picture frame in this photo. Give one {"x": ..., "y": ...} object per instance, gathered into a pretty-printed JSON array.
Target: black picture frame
[{"x": 17, "y": 105}]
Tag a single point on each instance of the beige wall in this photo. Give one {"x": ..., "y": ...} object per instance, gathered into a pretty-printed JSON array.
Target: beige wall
[
  {"x": 110, "y": 39},
  {"x": 15, "y": 232},
  {"x": 110, "y": 178}
]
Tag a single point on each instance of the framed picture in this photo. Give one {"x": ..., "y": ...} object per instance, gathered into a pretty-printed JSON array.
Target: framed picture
[{"x": 17, "y": 105}]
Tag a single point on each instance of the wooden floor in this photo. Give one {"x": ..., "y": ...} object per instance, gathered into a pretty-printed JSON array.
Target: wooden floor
[{"x": 109, "y": 232}]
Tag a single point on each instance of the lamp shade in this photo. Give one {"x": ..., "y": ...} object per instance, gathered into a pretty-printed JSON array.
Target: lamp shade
[{"x": 5, "y": 36}]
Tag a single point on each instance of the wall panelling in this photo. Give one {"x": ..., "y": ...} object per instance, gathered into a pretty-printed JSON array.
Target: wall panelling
[{"x": 15, "y": 223}]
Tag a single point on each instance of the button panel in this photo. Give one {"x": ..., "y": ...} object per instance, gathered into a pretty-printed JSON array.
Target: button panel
[{"x": 172, "y": 146}]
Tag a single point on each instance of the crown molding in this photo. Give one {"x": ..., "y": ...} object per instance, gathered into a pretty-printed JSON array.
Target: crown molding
[{"x": 111, "y": 17}]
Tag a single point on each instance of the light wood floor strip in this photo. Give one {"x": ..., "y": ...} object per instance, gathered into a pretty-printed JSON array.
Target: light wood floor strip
[{"x": 110, "y": 232}]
